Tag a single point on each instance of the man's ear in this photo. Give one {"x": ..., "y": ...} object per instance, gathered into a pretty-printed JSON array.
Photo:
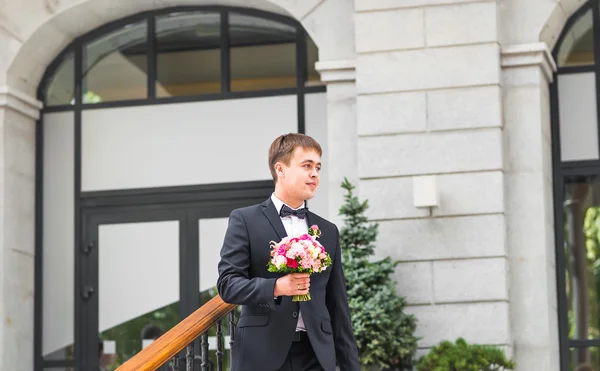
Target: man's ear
[{"x": 279, "y": 168}]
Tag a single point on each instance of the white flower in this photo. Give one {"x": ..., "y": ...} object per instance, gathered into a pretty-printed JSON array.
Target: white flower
[{"x": 279, "y": 260}]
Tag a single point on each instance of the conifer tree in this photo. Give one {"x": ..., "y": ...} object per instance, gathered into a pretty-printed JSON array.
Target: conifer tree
[{"x": 384, "y": 333}]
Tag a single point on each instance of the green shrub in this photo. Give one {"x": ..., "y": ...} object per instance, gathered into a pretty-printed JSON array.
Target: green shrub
[
  {"x": 384, "y": 333},
  {"x": 461, "y": 356}
]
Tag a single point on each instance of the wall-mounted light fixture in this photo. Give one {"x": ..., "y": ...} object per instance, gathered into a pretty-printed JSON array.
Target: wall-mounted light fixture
[{"x": 425, "y": 192}]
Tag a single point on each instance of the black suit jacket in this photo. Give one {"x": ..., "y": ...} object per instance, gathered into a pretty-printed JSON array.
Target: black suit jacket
[{"x": 266, "y": 325}]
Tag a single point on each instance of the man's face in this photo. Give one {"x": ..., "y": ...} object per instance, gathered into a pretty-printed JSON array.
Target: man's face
[{"x": 301, "y": 178}]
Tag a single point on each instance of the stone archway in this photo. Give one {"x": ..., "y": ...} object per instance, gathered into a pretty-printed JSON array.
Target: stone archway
[
  {"x": 553, "y": 25},
  {"x": 56, "y": 23},
  {"x": 29, "y": 41},
  {"x": 531, "y": 22}
]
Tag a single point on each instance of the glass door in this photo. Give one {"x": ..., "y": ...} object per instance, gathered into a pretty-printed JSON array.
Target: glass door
[
  {"x": 131, "y": 283},
  {"x": 210, "y": 239},
  {"x": 141, "y": 274},
  {"x": 146, "y": 264}
]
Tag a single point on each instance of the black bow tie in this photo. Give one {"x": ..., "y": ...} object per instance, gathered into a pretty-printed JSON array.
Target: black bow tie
[{"x": 287, "y": 211}]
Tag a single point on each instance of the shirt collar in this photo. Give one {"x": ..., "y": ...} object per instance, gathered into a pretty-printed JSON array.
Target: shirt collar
[{"x": 279, "y": 204}]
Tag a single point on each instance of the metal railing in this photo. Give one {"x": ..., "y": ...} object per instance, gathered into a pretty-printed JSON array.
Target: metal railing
[
  {"x": 165, "y": 354},
  {"x": 202, "y": 362}
]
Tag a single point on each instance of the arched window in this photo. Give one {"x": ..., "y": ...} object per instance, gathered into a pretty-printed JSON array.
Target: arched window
[
  {"x": 575, "y": 101},
  {"x": 182, "y": 55},
  {"x": 154, "y": 128}
]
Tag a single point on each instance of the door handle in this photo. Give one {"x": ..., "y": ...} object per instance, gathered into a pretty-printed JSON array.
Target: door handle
[
  {"x": 87, "y": 249},
  {"x": 87, "y": 292}
]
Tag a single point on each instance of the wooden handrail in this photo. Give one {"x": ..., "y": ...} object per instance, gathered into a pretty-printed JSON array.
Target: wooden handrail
[{"x": 177, "y": 338}]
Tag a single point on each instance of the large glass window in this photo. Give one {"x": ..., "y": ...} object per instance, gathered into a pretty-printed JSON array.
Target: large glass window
[
  {"x": 263, "y": 53},
  {"x": 575, "y": 89},
  {"x": 186, "y": 53},
  {"x": 115, "y": 66},
  {"x": 578, "y": 116},
  {"x": 62, "y": 83},
  {"x": 576, "y": 158},
  {"x": 577, "y": 47}
]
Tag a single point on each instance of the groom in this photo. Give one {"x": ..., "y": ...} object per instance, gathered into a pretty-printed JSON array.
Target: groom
[{"x": 273, "y": 333}]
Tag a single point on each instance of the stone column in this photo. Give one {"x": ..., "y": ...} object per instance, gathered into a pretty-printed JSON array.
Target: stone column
[
  {"x": 18, "y": 114},
  {"x": 341, "y": 158},
  {"x": 527, "y": 72},
  {"x": 428, "y": 82}
]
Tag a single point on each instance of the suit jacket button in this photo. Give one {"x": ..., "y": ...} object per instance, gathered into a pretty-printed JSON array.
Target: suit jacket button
[{"x": 295, "y": 314}]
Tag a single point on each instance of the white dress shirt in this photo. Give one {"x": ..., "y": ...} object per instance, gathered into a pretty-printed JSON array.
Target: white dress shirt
[{"x": 294, "y": 227}]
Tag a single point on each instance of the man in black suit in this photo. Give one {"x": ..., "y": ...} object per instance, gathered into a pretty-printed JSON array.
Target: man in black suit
[{"x": 273, "y": 333}]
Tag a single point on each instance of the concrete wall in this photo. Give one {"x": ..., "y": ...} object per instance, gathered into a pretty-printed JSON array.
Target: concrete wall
[
  {"x": 17, "y": 183},
  {"x": 429, "y": 103},
  {"x": 459, "y": 89}
]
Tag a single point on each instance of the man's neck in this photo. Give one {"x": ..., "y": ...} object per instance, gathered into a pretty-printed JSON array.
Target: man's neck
[{"x": 286, "y": 199}]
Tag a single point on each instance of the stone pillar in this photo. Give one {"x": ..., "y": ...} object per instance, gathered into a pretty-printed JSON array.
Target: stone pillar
[
  {"x": 18, "y": 114},
  {"x": 527, "y": 72},
  {"x": 341, "y": 159},
  {"x": 428, "y": 81}
]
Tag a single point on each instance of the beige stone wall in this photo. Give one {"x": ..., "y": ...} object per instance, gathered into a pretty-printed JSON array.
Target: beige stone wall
[
  {"x": 430, "y": 104},
  {"x": 459, "y": 89},
  {"x": 529, "y": 208},
  {"x": 17, "y": 133}
]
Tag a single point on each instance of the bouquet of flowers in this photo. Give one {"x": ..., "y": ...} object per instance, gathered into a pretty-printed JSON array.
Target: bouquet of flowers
[{"x": 303, "y": 254}]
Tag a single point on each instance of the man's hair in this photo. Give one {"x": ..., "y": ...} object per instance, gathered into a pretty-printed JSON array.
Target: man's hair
[{"x": 283, "y": 146}]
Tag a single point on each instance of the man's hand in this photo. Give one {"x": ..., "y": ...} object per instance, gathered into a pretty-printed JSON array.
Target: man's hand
[{"x": 292, "y": 284}]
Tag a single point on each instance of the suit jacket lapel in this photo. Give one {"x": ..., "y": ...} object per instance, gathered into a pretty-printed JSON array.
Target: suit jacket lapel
[{"x": 273, "y": 217}]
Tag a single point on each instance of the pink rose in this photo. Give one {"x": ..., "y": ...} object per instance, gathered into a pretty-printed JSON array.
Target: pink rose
[{"x": 316, "y": 265}]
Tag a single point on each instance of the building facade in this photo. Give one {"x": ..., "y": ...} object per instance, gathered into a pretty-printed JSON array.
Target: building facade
[{"x": 495, "y": 103}]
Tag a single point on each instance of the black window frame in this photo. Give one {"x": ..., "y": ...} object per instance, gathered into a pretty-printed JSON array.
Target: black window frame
[
  {"x": 76, "y": 48},
  {"x": 562, "y": 171}
]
